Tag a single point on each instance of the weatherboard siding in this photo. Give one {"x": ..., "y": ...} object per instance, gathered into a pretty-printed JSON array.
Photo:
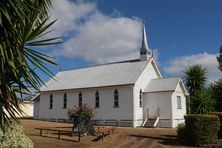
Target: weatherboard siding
[
  {"x": 161, "y": 100},
  {"x": 178, "y": 114},
  {"x": 142, "y": 82},
  {"x": 106, "y": 108}
]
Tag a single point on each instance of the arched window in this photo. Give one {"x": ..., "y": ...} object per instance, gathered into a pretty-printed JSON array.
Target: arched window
[
  {"x": 80, "y": 99},
  {"x": 97, "y": 99},
  {"x": 65, "y": 101},
  {"x": 51, "y": 101},
  {"x": 141, "y": 98},
  {"x": 116, "y": 98}
]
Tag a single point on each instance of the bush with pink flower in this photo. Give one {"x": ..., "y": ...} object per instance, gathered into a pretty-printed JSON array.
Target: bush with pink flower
[{"x": 81, "y": 116}]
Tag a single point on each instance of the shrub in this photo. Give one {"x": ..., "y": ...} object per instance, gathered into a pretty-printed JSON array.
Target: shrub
[
  {"x": 219, "y": 114},
  {"x": 14, "y": 137},
  {"x": 81, "y": 117},
  {"x": 201, "y": 129},
  {"x": 84, "y": 112},
  {"x": 182, "y": 134}
]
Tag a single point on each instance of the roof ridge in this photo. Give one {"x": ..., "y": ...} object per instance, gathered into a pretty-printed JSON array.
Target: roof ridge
[
  {"x": 167, "y": 78},
  {"x": 89, "y": 66}
]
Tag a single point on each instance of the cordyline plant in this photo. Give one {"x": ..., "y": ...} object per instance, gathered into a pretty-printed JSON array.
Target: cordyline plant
[{"x": 23, "y": 23}]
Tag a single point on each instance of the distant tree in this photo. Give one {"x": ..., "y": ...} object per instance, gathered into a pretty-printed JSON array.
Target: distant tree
[
  {"x": 219, "y": 58},
  {"x": 200, "y": 100}
]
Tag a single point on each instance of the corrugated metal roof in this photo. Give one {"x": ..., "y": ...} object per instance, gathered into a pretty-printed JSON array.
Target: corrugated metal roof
[
  {"x": 97, "y": 76},
  {"x": 167, "y": 84}
]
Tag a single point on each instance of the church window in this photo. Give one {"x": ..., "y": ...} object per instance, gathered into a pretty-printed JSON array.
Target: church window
[
  {"x": 116, "y": 98},
  {"x": 51, "y": 101},
  {"x": 179, "y": 106},
  {"x": 65, "y": 101},
  {"x": 80, "y": 99},
  {"x": 141, "y": 98},
  {"x": 97, "y": 99}
]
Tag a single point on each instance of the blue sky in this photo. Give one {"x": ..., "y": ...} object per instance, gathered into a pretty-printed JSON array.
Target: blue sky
[{"x": 181, "y": 32}]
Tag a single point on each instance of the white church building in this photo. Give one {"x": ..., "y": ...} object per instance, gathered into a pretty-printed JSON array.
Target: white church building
[{"x": 132, "y": 93}]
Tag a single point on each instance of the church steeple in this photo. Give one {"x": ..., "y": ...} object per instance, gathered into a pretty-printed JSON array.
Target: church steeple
[{"x": 145, "y": 53}]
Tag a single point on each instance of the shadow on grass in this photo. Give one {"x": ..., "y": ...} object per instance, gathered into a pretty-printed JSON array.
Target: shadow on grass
[
  {"x": 98, "y": 138},
  {"x": 162, "y": 139}
]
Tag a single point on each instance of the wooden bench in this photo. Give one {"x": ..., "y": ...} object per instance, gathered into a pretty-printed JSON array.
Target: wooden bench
[{"x": 59, "y": 132}]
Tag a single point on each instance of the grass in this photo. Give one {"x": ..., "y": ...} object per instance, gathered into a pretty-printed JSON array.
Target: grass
[{"x": 122, "y": 137}]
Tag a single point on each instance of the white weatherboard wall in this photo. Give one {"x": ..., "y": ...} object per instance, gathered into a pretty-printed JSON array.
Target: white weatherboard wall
[
  {"x": 161, "y": 100},
  {"x": 106, "y": 110},
  {"x": 27, "y": 108},
  {"x": 148, "y": 74},
  {"x": 178, "y": 114},
  {"x": 36, "y": 110}
]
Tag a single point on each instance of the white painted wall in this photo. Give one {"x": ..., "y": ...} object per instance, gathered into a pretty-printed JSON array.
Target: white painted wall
[
  {"x": 27, "y": 108},
  {"x": 148, "y": 74},
  {"x": 178, "y": 114},
  {"x": 106, "y": 110},
  {"x": 36, "y": 110},
  {"x": 161, "y": 100}
]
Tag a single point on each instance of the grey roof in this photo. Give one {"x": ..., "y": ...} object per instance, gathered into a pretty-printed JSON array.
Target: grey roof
[
  {"x": 97, "y": 76},
  {"x": 167, "y": 84}
]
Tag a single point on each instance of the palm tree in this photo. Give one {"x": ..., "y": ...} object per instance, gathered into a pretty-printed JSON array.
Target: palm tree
[
  {"x": 22, "y": 26},
  {"x": 195, "y": 79}
]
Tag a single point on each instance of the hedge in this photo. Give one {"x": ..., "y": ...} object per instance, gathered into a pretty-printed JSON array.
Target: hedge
[
  {"x": 182, "y": 134},
  {"x": 219, "y": 114},
  {"x": 199, "y": 130}
]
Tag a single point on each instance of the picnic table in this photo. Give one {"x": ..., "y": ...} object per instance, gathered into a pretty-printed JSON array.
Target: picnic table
[
  {"x": 102, "y": 131},
  {"x": 59, "y": 132}
]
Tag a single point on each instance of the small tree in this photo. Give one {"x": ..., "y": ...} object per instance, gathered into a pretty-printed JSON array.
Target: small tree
[
  {"x": 219, "y": 58},
  {"x": 217, "y": 94},
  {"x": 81, "y": 117},
  {"x": 203, "y": 102}
]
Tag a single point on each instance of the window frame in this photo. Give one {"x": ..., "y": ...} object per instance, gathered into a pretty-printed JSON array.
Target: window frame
[
  {"x": 97, "y": 99},
  {"x": 116, "y": 99},
  {"x": 65, "y": 101},
  {"x": 80, "y": 99},
  {"x": 179, "y": 103},
  {"x": 51, "y": 101},
  {"x": 141, "y": 98}
]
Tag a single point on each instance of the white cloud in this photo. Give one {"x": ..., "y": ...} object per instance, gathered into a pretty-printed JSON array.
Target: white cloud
[
  {"x": 68, "y": 15},
  {"x": 177, "y": 65},
  {"x": 100, "y": 38}
]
